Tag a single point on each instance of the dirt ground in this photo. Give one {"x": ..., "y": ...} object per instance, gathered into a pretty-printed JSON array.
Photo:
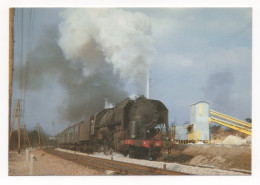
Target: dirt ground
[
  {"x": 217, "y": 156},
  {"x": 220, "y": 156},
  {"x": 45, "y": 165}
]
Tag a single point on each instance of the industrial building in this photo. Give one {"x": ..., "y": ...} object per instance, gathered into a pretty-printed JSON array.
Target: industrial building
[{"x": 198, "y": 130}]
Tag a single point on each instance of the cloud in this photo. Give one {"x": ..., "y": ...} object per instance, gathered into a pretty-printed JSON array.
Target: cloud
[{"x": 190, "y": 30}]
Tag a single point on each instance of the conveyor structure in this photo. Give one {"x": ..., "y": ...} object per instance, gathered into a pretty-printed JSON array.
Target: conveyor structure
[
  {"x": 199, "y": 131},
  {"x": 230, "y": 122}
]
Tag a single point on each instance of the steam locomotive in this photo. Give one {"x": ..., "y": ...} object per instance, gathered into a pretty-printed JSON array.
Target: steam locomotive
[{"x": 135, "y": 127}]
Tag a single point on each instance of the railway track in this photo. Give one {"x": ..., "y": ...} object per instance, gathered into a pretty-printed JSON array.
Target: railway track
[
  {"x": 121, "y": 168},
  {"x": 213, "y": 167}
]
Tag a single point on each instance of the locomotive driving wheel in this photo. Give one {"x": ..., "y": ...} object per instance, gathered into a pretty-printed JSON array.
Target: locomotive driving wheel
[
  {"x": 153, "y": 153},
  {"x": 138, "y": 152},
  {"x": 108, "y": 148},
  {"x": 132, "y": 152}
]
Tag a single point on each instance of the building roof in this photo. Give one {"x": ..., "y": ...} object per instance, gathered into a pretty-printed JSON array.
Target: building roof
[{"x": 200, "y": 102}]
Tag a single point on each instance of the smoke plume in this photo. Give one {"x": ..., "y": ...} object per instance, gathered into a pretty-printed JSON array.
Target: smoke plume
[
  {"x": 218, "y": 90},
  {"x": 91, "y": 55},
  {"x": 123, "y": 38},
  {"x": 85, "y": 95}
]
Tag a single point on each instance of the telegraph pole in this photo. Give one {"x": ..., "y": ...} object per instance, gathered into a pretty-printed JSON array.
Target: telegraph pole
[
  {"x": 17, "y": 109},
  {"x": 11, "y": 42},
  {"x": 14, "y": 116}
]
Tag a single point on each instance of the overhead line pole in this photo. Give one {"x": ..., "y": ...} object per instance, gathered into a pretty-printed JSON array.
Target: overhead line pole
[{"x": 14, "y": 115}]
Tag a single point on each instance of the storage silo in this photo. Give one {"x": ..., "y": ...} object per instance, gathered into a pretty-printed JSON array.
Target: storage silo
[{"x": 200, "y": 121}]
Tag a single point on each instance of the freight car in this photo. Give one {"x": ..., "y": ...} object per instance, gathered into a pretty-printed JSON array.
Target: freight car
[{"x": 135, "y": 127}]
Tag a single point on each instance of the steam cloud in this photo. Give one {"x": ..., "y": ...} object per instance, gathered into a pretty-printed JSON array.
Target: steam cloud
[
  {"x": 91, "y": 56},
  {"x": 84, "y": 95},
  {"x": 122, "y": 37}
]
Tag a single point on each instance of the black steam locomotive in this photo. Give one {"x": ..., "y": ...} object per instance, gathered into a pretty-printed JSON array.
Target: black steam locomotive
[{"x": 135, "y": 127}]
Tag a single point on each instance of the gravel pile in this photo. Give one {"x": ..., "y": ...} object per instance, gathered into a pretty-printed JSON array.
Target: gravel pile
[
  {"x": 248, "y": 140},
  {"x": 171, "y": 166},
  {"x": 235, "y": 140}
]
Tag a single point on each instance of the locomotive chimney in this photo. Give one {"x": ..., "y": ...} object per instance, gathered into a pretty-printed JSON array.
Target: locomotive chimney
[{"x": 147, "y": 85}]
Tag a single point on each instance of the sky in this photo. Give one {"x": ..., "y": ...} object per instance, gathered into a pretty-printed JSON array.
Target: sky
[{"x": 191, "y": 54}]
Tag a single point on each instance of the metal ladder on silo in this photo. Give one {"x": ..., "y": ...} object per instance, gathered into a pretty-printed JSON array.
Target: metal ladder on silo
[{"x": 231, "y": 122}]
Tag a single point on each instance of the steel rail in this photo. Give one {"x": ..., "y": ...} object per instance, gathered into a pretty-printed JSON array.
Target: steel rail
[
  {"x": 121, "y": 168},
  {"x": 227, "y": 169}
]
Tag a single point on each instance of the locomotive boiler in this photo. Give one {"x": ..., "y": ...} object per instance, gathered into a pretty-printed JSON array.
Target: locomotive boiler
[{"x": 135, "y": 127}]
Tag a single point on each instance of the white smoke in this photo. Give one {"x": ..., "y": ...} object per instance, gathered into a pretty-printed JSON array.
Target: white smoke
[
  {"x": 133, "y": 96},
  {"x": 123, "y": 38},
  {"x": 108, "y": 105}
]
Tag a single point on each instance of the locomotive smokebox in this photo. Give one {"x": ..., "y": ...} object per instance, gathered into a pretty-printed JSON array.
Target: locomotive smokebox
[
  {"x": 132, "y": 129},
  {"x": 143, "y": 114}
]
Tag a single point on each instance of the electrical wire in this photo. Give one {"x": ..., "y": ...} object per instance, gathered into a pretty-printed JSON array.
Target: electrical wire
[
  {"x": 23, "y": 19},
  {"x": 29, "y": 32}
]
